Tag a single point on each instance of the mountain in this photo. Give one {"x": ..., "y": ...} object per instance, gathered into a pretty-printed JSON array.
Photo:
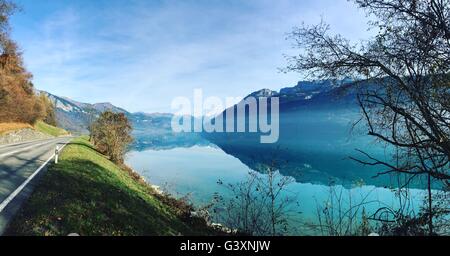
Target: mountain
[
  {"x": 154, "y": 131},
  {"x": 315, "y": 120},
  {"x": 75, "y": 116},
  {"x": 319, "y": 130},
  {"x": 316, "y": 135},
  {"x": 149, "y": 130},
  {"x": 317, "y": 94}
]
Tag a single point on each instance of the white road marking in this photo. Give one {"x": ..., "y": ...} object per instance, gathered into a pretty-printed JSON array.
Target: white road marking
[
  {"x": 23, "y": 149},
  {"x": 23, "y": 142},
  {"x": 25, "y": 183}
]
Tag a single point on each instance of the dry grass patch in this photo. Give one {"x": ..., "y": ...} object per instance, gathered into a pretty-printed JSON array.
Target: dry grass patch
[{"x": 9, "y": 127}]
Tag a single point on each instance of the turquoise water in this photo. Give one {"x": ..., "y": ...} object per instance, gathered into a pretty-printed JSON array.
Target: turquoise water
[
  {"x": 196, "y": 170},
  {"x": 313, "y": 148}
]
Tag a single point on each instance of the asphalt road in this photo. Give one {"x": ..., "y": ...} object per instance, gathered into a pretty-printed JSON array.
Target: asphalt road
[{"x": 18, "y": 164}]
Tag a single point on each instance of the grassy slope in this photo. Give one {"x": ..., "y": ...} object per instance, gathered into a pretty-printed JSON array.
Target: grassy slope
[
  {"x": 87, "y": 194},
  {"x": 48, "y": 129}
]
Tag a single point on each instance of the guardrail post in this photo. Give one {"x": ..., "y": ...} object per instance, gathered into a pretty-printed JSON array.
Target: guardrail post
[{"x": 56, "y": 154}]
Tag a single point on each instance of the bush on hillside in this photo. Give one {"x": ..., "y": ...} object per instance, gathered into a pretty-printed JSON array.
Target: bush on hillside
[{"x": 111, "y": 134}]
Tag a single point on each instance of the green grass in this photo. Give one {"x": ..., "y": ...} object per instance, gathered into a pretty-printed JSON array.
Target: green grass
[
  {"x": 89, "y": 195},
  {"x": 49, "y": 129}
]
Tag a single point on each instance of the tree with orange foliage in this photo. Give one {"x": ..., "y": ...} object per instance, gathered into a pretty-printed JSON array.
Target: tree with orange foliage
[{"x": 18, "y": 102}]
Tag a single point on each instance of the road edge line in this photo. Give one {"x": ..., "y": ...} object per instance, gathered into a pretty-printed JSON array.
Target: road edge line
[
  {"x": 19, "y": 189},
  {"x": 27, "y": 141},
  {"x": 25, "y": 148}
]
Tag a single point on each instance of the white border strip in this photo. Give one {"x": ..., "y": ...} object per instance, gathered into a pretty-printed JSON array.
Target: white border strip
[{"x": 22, "y": 186}]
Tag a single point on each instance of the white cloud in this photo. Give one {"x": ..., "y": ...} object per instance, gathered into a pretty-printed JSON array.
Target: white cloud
[{"x": 142, "y": 55}]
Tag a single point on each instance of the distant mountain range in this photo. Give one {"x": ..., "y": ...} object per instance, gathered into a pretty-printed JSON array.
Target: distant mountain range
[
  {"x": 314, "y": 137},
  {"x": 320, "y": 94},
  {"x": 75, "y": 116},
  {"x": 151, "y": 130},
  {"x": 315, "y": 119}
]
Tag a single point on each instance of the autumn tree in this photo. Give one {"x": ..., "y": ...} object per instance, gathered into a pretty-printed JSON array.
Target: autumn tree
[
  {"x": 48, "y": 110},
  {"x": 402, "y": 79},
  {"x": 111, "y": 134},
  {"x": 18, "y": 102}
]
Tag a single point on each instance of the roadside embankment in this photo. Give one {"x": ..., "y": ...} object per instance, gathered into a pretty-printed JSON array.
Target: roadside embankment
[
  {"x": 22, "y": 135},
  {"x": 87, "y": 194},
  {"x": 20, "y": 132}
]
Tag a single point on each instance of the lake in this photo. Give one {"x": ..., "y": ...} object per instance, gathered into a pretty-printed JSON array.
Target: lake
[
  {"x": 314, "y": 149},
  {"x": 196, "y": 171}
]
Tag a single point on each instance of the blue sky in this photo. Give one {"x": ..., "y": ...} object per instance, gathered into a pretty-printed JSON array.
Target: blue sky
[{"x": 140, "y": 54}]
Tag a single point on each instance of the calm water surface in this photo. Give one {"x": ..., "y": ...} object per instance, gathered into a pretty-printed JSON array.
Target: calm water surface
[{"x": 197, "y": 169}]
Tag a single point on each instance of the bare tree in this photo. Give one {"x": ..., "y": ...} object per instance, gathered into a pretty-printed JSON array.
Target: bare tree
[
  {"x": 342, "y": 215},
  {"x": 259, "y": 205},
  {"x": 402, "y": 75}
]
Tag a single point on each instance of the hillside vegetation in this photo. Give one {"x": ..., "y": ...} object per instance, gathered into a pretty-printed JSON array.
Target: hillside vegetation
[
  {"x": 18, "y": 101},
  {"x": 40, "y": 126},
  {"x": 49, "y": 129},
  {"x": 90, "y": 195}
]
